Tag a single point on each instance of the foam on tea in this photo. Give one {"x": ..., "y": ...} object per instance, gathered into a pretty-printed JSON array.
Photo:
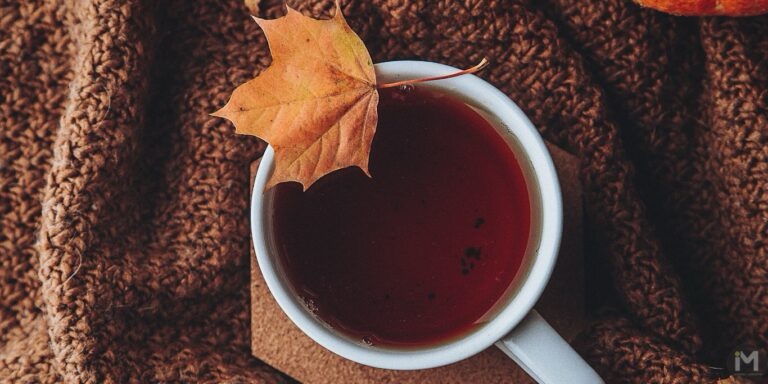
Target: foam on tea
[{"x": 422, "y": 251}]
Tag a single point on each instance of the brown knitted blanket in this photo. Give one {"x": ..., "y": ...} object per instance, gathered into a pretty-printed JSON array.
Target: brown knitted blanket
[{"x": 124, "y": 233}]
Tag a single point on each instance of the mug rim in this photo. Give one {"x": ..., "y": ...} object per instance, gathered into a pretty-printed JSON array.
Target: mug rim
[{"x": 480, "y": 92}]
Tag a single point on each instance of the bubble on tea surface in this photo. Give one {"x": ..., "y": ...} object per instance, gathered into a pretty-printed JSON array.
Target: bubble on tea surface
[
  {"x": 402, "y": 93},
  {"x": 310, "y": 304},
  {"x": 405, "y": 89},
  {"x": 367, "y": 340}
]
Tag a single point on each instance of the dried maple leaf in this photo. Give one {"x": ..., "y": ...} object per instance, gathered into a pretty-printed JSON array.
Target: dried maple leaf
[
  {"x": 315, "y": 104},
  {"x": 253, "y": 6}
]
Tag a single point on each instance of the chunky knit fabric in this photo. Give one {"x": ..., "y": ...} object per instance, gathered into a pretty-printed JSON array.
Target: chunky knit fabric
[{"x": 123, "y": 205}]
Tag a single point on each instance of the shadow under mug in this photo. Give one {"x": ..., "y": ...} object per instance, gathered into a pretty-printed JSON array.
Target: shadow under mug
[{"x": 515, "y": 327}]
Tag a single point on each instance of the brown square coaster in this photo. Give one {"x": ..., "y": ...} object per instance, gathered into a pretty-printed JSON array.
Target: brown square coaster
[{"x": 278, "y": 342}]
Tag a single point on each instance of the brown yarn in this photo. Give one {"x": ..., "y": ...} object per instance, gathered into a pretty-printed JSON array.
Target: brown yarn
[{"x": 123, "y": 226}]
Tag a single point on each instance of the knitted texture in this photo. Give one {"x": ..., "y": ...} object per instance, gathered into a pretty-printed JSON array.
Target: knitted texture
[{"x": 124, "y": 233}]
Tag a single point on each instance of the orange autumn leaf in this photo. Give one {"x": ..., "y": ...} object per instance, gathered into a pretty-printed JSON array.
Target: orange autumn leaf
[{"x": 316, "y": 104}]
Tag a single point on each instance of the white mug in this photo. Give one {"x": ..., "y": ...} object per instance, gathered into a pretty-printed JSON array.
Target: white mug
[{"x": 516, "y": 329}]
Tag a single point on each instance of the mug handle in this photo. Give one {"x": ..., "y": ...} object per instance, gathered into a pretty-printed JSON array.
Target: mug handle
[{"x": 544, "y": 355}]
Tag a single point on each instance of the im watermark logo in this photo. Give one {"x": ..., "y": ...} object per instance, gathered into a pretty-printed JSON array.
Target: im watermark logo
[{"x": 745, "y": 361}]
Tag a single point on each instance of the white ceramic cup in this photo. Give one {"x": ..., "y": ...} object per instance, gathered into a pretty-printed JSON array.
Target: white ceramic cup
[{"x": 516, "y": 328}]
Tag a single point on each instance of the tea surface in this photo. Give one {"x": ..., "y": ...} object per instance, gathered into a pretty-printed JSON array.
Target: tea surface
[{"x": 420, "y": 252}]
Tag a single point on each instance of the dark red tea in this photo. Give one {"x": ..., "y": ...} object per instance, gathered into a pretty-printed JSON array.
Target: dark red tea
[{"x": 419, "y": 253}]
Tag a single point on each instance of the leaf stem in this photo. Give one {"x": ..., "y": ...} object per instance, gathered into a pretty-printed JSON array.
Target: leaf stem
[{"x": 479, "y": 66}]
